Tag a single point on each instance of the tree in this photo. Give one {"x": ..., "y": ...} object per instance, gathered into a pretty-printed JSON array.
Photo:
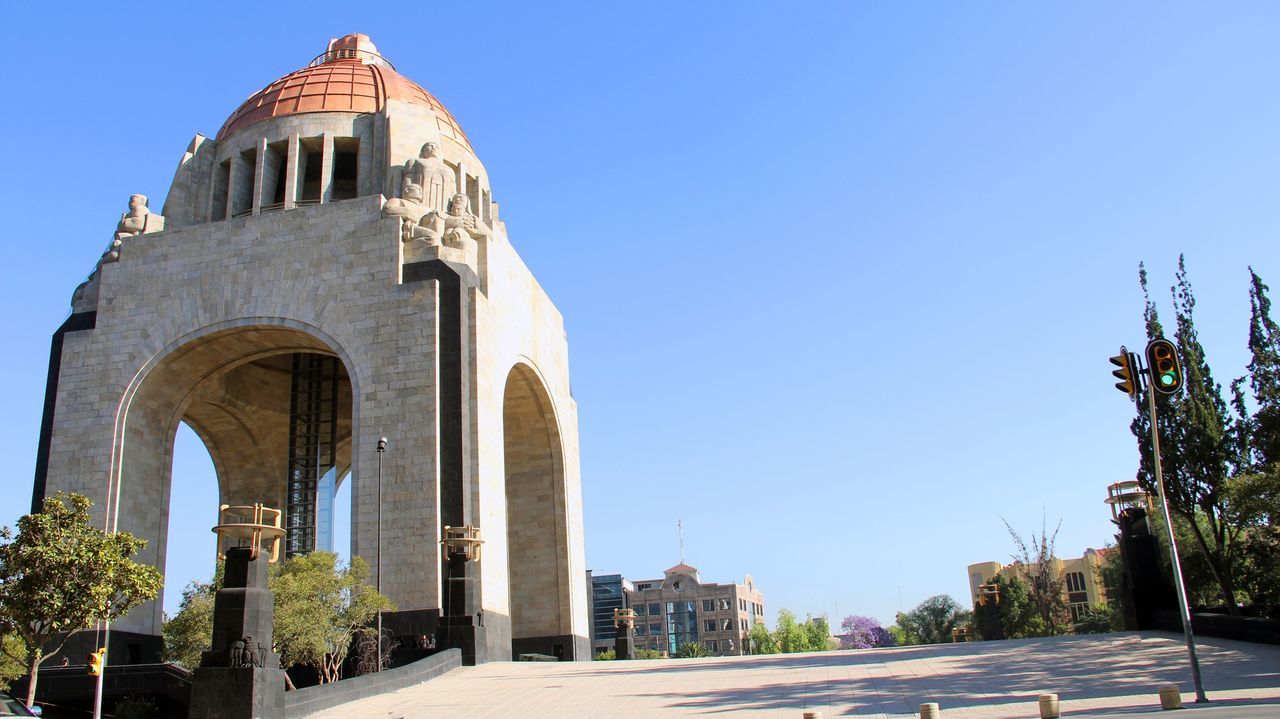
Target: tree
[
  {"x": 762, "y": 641},
  {"x": 1045, "y": 588},
  {"x": 190, "y": 631},
  {"x": 13, "y": 659},
  {"x": 1199, "y": 444},
  {"x": 1262, "y": 449},
  {"x": 860, "y": 632},
  {"x": 817, "y": 634},
  {"x": 691, "y": 650},
  {"x": 932, "y": 620},
  {"x": 320, "y": 608},
  {"x": 61, "y": 574},
  {"x": 1014, "y": 616},
  {"x": 788, "y": 635}
]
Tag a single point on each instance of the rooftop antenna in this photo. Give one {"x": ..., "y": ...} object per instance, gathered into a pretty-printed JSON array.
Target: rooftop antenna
[{"x": 680, "y": 531}]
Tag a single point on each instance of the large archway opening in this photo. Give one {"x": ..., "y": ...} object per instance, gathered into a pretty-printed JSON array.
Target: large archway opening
[
  {"x": 272, "y": 406},
  {"x": 537, "y": 541}
]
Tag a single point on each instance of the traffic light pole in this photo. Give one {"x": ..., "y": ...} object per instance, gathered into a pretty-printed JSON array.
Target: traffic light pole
[
  {"x": 102, "y": 673},
  {"x": 1173, "y": 553}
]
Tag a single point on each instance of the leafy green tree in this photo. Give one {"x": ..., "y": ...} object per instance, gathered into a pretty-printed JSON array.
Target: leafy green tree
[
  {"x": 1014, "y": 616},
  {"x": 1262, "y": 446},
  {"x": 762, "y": 641},
  {"x": 899, "y": 635},
  {"x": 190, "y": 631},
  {"x": 1200, "y": 445},
  {"x": 691, "y": 650},
  {"x": 788, "y": 634},
  {"x": 13, "y": 659},
  {"x": 61, "y": 574},
  {"x": 932, "y": 620},
  {"x": 817, "y": 634},
  {"x": 320, "y": 608}
]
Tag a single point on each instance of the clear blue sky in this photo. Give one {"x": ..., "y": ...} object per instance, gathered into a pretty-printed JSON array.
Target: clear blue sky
[{"x": 840, "y": 279}]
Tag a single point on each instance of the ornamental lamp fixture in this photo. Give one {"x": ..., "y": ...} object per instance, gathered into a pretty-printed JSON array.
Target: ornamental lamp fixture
[
  {"x": 624, "y": 619},
  {"x": 249, "y": 525},
  {"x": 463, "y": 541}
]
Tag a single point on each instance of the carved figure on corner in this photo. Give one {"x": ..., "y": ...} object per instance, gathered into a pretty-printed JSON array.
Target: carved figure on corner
[
  {"x": 138, "y": 220},
  {"x": 460, "y": 225},
  {"x": 434, "y": 177},
  {"x": 245, "y": 652},
  {"x": 418, "y": 222}
]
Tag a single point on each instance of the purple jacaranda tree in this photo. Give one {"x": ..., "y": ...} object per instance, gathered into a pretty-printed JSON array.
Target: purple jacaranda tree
[{"x": 863, "y": 633}]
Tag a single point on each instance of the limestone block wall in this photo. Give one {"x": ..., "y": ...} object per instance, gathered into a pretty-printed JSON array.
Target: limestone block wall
[
  {"x": 181, "y": 305},
  {"x": 519, "y": 325}
]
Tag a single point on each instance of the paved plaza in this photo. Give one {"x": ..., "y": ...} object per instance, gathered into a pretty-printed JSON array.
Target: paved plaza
[{"x": 1108, "y": 674}]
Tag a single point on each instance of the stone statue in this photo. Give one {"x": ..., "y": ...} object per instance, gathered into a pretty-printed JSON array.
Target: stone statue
[
  {"x": 460, "y": 225},
  {"x": 435, "y": 178},
  {"x": 138, "y": 220},
  {"x": 244, "y": 652},
  {"x": 418, "y": 222},
  {"x": 235, "y": 654}
]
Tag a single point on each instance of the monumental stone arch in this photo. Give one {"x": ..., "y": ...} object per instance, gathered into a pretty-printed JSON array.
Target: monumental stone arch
[{"x": 327, "y": 270}]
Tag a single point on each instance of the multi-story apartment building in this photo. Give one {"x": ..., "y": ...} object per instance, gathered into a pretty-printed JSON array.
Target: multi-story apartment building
[
  {"x": 680, "y": 608},
  {"x": 1081, "y": 580}
]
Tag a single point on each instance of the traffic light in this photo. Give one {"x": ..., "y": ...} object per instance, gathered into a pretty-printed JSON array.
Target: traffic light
[
  {"x": 95, "y": 660},
  {"x": 1163, "y": 364},
  {"x": 1127, "y": 374}
]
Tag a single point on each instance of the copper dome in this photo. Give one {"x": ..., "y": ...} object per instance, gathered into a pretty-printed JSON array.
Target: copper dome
[{"x": 350, "y": 76}]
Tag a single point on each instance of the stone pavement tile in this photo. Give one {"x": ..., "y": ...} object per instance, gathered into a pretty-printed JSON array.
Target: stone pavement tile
[{"x": 984, "y": 680}]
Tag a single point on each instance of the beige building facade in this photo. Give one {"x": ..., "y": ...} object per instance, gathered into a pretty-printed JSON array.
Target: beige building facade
[
  {"x": 1081, "y": 579},
  {"x": 329, "y": 269},
  {"x": 680, "y": 608}
]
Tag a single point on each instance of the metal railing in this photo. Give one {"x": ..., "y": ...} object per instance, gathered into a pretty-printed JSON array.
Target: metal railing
[{"x": 365, "y": 56}]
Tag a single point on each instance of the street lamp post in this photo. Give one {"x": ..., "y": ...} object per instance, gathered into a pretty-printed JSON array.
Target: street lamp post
[{"x": 382, "y": 447}]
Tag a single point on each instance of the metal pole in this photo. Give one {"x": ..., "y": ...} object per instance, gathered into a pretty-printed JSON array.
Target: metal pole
[
  {"x": 382, "y": 447},
  {"x": 102, "y": 673},
  {"x": 1173, "y": 554}
]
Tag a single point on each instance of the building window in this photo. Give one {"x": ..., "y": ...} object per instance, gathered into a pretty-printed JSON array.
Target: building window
[
  {"x": 310, "y": 159},
  {"x": 726, "y": 625},
  {"x": 712, "y": 645},
  {"x": 724, "y": 603},
  {"x": 1078, "y": 609},
  {"x": 640, "y": 609},
  {"x": 742, "y": 605},
  {"x": 346, "y": 153},
  {"x": 655, "y": 609},
  {"x": 682, "y": 625},
  {"x": 744, "y": 624},
  {"x": 655, "y": 630},
  {"x": 221, "y": 186},
  {"x": 709, "y": 625},
  {"x": 1075, "y": 581},
  {"x": 708, "y": 605},
  {"x": 639, "y": 630}
]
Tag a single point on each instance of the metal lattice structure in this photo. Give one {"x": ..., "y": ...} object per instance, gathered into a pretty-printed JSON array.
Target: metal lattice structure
[{"x": 313, "y": 438}]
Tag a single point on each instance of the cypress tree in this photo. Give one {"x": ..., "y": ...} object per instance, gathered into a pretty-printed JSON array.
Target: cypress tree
[{"x": 1198, "y": 448}]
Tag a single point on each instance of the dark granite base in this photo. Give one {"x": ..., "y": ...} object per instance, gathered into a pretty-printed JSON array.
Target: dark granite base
[{"x": 237, "y": 693}]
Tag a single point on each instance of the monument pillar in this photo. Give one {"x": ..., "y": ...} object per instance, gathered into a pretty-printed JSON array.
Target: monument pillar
[{"x": 240, "y": 677}]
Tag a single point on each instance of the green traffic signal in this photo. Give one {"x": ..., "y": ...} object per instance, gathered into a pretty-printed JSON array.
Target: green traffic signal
[{"x": 1162, "y": 362}]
